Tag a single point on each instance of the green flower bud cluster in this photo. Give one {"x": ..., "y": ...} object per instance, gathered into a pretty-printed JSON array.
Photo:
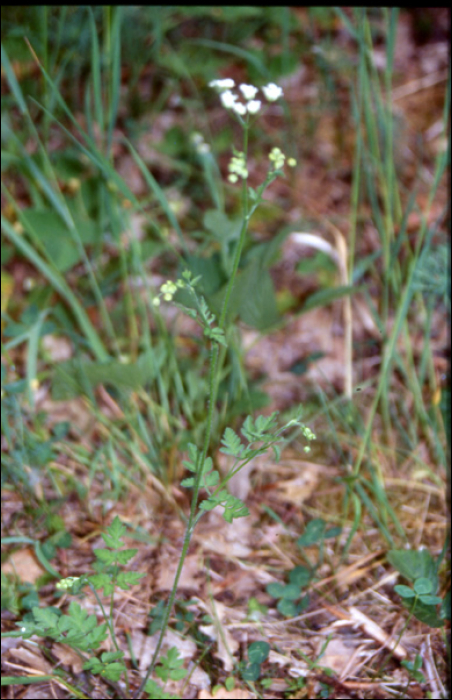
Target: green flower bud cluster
[
  {"x": 237, "y": 167},
  {"x": 309, "y": 435},
  {"x": 277, "y": 157},
  {"x": 66, "y": 583},
  {"x": 168, "y": 290}
]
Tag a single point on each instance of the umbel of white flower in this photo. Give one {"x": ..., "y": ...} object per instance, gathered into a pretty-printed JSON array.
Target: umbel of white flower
[
  {"x": 272, "y": 92},
  {"x": 220, "y": 85},
  {"x": 253, "y": 106},
  {"x": 248, "y": 91},
  {"x": 230, "y": 101}
]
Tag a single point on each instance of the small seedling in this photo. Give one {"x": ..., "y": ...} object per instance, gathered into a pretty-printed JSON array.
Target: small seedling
[{"x": 291, "y": 592}]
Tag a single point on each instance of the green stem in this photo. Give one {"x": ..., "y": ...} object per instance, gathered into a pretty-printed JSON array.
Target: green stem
[
  {"x": 109, "y": 622},
  {"x": 211, "y": 408}
]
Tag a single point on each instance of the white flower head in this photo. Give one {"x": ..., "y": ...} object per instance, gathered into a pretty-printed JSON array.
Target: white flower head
[
  {"x": 248, "y": 91},
  {"x": 239, "y": 108},
  {"x": 253, "y": 106},
  {"x": 272, "y": 92},
  {"x": 220, "y": 85},
  {"x": 228, "y": 99}
]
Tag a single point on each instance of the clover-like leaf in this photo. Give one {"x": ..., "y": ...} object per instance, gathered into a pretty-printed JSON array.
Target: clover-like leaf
[{"x": 258, "y": 652}]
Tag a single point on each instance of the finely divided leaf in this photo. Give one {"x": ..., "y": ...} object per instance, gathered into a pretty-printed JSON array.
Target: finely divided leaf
[{"x": 231, "y": 443}]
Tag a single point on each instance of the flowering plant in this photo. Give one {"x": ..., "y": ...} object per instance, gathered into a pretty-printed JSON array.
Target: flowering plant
[{"x": 262, "y": 433}]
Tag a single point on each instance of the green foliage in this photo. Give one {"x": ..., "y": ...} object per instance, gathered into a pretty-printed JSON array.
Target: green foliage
[
  {"x": 413, "y": 668},
  {"x": 30, "y": 449},
  {"x": 257, "y": 653},
  {"x": 109, "y": 560},
  {"x": 419, "y": 567},
  {"x": 261, "y": 430},
  {"x": 200, "y": 312},
  {"x": 432, "y": 274},
  {"x": 156, "y": 614},
  {"x": 107, "y": 666},
  {"x": 316, "y": 532},
  {"x": 10, "y": 593},
  {"x": 209, "y": 477},
  {"x": 154, "y": 690},
  {"x": 169, "y": 668},
  {"x": 291, "y": 596},
  {"x": 288, "y": 594},
  {"x": 77, "y": 629}
]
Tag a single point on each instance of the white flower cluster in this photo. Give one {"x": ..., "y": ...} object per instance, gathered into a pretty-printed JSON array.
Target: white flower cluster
[
  {"x": 168, "y": 290},
  {"x": 229, "y": 99}
]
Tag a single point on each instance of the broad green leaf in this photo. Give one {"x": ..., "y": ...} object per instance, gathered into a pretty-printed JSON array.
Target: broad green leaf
[
  {"x": 72, "y": 376},
  {"x": 404, "y": 591},
  {"x": 49, "y": 231},
  {"x": 291, "y": 592},
  {"x": 275, "y": 589},
  {"x": 300, "y": 576},
  {"x": 326, "y": 296},
  {"x": 313, "y": 534},
  {"x": 258, "y": 652},
  {"x": 423, "y": 586},
  {"x": 424, "y": 613},
  {"x": 221, "y": 226},
  {"x": 287, "y": 608},
  {"x": 414, "y": 564}
]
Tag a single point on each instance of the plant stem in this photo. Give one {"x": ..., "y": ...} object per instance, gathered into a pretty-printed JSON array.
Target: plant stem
[{"x": 211, "y": 408}]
